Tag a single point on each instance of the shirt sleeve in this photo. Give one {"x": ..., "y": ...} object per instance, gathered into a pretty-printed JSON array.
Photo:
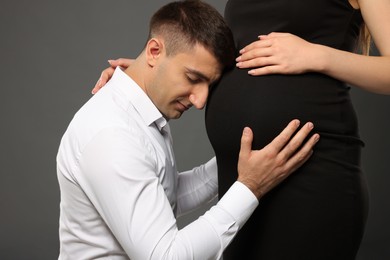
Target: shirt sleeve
[
  {"x": 118, "y": 174},
  {"x": 197, "y": 187}
]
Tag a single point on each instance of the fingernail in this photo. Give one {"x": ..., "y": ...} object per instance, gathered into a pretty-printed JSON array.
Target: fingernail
[
  {"x": 239, "y": 64},
  {"x": 110, "y": 61},
  {"x": 310, "y": 125},
  {"x": 316, "y": 137},
  {"x": 97, "y": 85},
  {"x": 238, "y": 58},
  {"x": 246, "y": 131},
  {"x": 242, "y": 50}
]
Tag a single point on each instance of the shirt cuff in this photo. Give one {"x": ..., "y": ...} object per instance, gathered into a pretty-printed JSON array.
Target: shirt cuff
[{"x": 240, "y": 202}]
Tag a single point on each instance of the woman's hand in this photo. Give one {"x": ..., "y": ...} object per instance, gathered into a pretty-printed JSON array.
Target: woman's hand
[
  {"x": 107, "y": 73},
  {"x": 279, "y": 53}
]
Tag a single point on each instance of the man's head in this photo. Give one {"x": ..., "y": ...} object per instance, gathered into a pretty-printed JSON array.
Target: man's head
[
  {"x": 189, "y": 47},
  {"x": 183, "y": 24}
]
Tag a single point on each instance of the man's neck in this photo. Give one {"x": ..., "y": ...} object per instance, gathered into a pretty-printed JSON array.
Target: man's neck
[{"x": 137, "y": 71}]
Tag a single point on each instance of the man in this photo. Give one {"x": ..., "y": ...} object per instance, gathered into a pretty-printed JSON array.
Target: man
[{"x": 120, "y": 191}]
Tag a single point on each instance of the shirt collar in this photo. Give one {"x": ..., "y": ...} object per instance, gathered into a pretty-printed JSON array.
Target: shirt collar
[{"x": 138, "y": 98}]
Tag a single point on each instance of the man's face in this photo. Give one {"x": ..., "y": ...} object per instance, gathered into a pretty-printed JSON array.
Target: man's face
[{"x": 182, "y": 80}]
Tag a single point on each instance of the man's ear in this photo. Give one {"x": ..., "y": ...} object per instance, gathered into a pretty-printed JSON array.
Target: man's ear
[{"x": 154, "y": 50}]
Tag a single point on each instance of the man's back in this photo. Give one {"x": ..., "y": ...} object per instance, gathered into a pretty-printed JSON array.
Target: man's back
[{"x": 93, "y": 145}]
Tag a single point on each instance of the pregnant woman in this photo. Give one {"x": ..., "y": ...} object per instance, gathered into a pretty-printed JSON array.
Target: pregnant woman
[
  {"x": 319, "y": 212},
  {"x": 296, "y": 59}
]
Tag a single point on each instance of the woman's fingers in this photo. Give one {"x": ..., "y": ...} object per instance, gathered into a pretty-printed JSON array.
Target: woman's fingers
[
  {"x": 108, "y": 72},
  {"x": 104, "y": 77},
  {"x": 123, "y": 62}
]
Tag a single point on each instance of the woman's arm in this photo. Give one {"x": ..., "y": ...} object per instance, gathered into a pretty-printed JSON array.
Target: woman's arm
[
  {"x": 283, "y": 53},
  {"x": 371, "y": 73}
]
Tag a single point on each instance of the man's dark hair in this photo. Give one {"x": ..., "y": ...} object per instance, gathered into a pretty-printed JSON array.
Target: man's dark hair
[{"x": 186, "y": 23}]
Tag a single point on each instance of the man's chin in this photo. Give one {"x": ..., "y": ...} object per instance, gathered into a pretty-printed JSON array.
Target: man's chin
[{"x": 176, "y": 115}]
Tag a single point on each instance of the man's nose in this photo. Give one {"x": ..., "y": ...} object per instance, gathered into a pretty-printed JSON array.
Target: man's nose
[{"x": 198, "y": 97}]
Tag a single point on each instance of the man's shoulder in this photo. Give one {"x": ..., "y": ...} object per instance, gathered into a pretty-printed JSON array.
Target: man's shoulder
[{"x": 98, "y": 115}]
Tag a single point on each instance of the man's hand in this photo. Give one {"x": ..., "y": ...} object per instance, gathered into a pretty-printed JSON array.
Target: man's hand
[
  {"x": 261, "y": 170},
  {"x": 107, "y": 73}
]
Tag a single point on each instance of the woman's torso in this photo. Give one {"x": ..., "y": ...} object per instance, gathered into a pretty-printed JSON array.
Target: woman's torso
[
  {"x": 268, "y": 103},
  {"x": 324, "y": 202}
]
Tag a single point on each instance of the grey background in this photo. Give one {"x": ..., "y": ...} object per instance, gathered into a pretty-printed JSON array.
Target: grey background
[{"x": 51, "y": 54}]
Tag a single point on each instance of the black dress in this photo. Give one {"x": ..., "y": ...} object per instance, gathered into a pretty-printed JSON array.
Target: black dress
[{"x": 320, "y": 211}]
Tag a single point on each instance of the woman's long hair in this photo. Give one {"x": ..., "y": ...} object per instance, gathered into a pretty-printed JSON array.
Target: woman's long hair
[{"x": 364, "y": 41}]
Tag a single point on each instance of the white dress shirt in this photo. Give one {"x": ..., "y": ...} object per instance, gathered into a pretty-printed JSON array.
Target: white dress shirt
[{"x": 121, "y": 192}]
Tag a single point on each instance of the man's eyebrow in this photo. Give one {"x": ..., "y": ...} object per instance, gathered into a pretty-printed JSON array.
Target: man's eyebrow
[{"x": 199, "y": 74}]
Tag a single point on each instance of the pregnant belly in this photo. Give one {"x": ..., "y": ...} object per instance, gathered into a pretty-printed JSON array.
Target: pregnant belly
[{"x": 268, "y": 103}]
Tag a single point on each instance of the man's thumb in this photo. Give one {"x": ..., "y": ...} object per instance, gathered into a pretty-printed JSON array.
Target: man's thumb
[{"x": 246, "y": 142}]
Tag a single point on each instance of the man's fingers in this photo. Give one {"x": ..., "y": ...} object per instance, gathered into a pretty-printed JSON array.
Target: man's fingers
[
  {"x": 298, "y": 159},
  {"x": 284, "y": 137},
  {"x": 246, "y": 142},
  {"x": 297, "y": 140}
]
